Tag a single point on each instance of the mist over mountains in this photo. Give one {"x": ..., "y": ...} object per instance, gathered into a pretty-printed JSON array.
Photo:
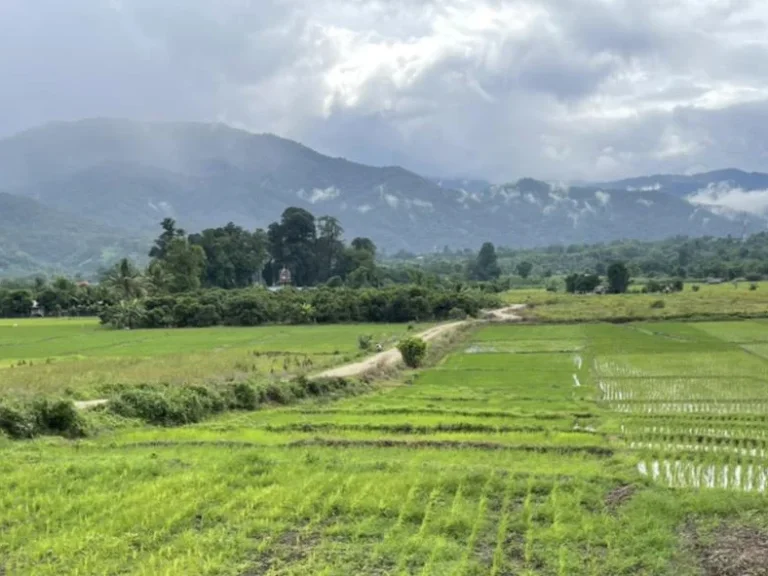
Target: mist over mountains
[{"x": 74, "y": 196}]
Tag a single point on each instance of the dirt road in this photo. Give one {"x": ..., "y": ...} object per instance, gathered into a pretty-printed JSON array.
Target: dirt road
[
  {"x": 387, "y": 359},
  {"x": 392, "y": 357}
]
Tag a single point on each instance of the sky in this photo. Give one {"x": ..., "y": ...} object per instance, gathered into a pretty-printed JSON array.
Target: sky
[{"x": 496, "y": 89}]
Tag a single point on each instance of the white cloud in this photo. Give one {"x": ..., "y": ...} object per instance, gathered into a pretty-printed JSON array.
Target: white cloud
[
  {"x": 602, "y": 197},
  {"x": 319, "y": 194},
  {"x": 722, "y": 195},
  {"x": 392, "y": 200},
  {"x": 651, "y": 188},
  {"x": 421, "y": 204},
  {"x": 364, "y": 208},
  {"x": 584, "y": 89},
  {"x": 645, "y": 202}
]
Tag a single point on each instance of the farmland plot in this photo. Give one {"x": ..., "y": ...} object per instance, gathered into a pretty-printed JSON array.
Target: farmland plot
[
  {"x": 695, "y": 418},
  {"x": 513, "y": 461}
]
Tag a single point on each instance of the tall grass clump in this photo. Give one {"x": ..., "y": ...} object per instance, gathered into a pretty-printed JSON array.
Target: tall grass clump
[{"x": 41, "y": 417}]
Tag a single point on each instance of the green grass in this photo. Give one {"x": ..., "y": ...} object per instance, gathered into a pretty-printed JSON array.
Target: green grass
[
  {"x": 487, "y": 463},
  {"x": 78, "y": 358},
  {"x": 720, "y": 301}
]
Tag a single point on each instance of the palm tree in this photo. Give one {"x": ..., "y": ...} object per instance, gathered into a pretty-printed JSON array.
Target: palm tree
[
  {"x": 127, "y": 314},
  {"x": 126, "y": 281}
]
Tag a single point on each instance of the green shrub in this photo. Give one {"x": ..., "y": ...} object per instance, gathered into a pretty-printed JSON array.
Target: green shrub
[
  {"x": 17, "y": 422},
  {"x": 58, "y": 417},
  {"x": 695, "y": 287},
  {"x": 413, "y": 350},
  {"x": 364, "y": 342},
  {"x": 753, "y": 286},
  {"x": 42, "y": 416},
  {"x": 245, "y": 396},
  {"x": 657, "y": 304},
  {"x": 457, "y": 314},
  {"x": 168, "y": 406}
]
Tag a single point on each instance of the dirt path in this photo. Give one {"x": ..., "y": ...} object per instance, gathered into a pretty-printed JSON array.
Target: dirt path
[
  {"x": 388, "y": 358},
  {"x": 87, "y": 404},
  {"x": 508, "y": 314}
]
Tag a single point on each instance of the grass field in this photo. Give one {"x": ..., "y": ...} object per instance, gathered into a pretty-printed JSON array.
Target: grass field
[
  {"x": 79, "y": 359},
  {"x": 632, "y": 449},
  {"x": 721, "y": 301}
]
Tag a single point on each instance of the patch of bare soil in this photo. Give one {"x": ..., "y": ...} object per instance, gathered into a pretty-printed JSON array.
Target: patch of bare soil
[
  {"x": 619, "y": 496},
  {"x": 290, "y": 547},
  {"x": 734, "y": 551},
  {"x": 508, "y": 314}
]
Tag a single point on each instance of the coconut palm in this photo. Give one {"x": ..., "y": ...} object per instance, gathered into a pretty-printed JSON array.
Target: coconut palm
[
  {"x": 125, "y": 281},
  {"x": 127, "y": 314}
]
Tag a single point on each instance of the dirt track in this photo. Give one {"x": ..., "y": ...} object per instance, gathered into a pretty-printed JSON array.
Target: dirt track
[
  {"x": 388, "y": 358},
  {"x": 385, "y": 359}
]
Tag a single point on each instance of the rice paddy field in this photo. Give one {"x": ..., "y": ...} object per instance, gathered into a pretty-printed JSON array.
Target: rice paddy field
[
  {"x": 594, "y": 449},
  {"x": 716, "y": 302},
  {"x": 78, "y": 359}
]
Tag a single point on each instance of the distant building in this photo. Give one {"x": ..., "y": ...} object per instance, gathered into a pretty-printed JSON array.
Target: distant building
[{"x": 285, "y": 277}]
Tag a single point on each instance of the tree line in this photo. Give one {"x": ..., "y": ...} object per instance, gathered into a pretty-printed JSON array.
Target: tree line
[
  {"x": 679, "y": 257},
  {"x": 325, "y": 305}
]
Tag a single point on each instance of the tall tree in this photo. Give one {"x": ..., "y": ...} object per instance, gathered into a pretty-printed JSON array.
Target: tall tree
[
  {"x": 292, "y": 243},
  {"x": 125, "y": 281},
  {"x": 170, "y": 233},
  {"x": 618, "y": 278},
  {"x": 184, "y": 264},
  {"x": 330, "y": 247},
  {"x": 486, "y": 266},
  {"x": 524, "y": 269},
  {"x": 234, "y": 256}
]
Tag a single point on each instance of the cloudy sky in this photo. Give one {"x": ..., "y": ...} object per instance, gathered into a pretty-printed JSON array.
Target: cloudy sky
[{"x": 556, "y": 89}]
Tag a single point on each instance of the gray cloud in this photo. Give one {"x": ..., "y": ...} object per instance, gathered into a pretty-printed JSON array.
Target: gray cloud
[{"x": 493, "y": 88}]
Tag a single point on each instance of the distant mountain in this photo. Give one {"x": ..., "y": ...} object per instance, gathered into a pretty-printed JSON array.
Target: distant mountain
[
  {"x": 724, "y": 191},
  {"x": 465, "y": 185},
  {"x": 36, "y": 239},
  {"x": 112, "y": 181}
]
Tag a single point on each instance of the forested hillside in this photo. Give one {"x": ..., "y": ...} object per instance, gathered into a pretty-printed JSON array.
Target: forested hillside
[{"x": 113, "y": 180}]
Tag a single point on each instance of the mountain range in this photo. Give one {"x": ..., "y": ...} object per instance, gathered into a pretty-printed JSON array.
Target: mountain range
[{"x": 74, "y": 196}]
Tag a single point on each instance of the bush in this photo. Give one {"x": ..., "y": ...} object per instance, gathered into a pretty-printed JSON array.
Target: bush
[
  {"x": 364, "y": 342},
  {"x": 17, "y": 422},
  {"x": 695, "y": 287},
  {"x": 58, "y": 417},
  {"x": 457, "y": 314},
  {"x": 168, "y": 406},
  {"x": 245, "y": 396},
  {"x": 43, "y": 416},
  {"x": 657, "y": 304},
  {"x": 753, "y": 286},
  {"x": 413, "y": 350}
]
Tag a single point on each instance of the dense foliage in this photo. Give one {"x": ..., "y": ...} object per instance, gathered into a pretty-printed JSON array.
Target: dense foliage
[
  {"x": 413, "y": 351},
  {"x": 684, "y": 257},
  {"x": 256, "y": 306}
]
